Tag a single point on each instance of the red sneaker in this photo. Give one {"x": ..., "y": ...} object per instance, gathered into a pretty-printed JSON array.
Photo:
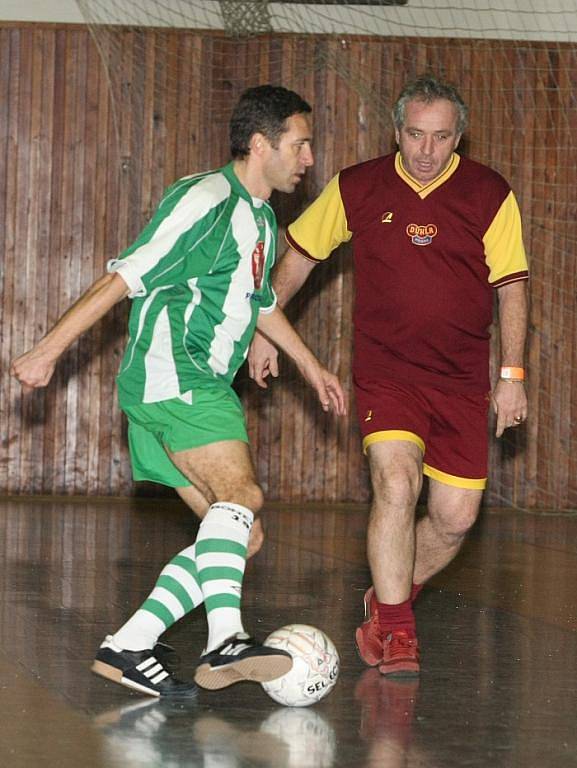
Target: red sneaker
[
  {"x": 400, "y": 655},
  {"x": 368, "y": 636}
]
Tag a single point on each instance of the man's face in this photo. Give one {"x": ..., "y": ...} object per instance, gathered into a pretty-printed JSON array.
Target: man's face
[
  {"x": 427, "y": 138},
  {"x": 285, "y": 164}
]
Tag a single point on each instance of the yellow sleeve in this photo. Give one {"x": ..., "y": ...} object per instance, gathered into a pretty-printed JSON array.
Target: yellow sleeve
[
  {"x": 503, "y": 241},
  {"x": 322, "y": 227}
]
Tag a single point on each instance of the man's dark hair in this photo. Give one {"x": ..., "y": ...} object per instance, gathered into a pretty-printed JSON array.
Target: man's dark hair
[
  {"x": 428, "y": 88},
  {"x": 263, "y": 109}
]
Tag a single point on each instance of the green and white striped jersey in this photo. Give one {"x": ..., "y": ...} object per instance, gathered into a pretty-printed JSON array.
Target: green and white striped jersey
[{"x": 198, "y": 275}]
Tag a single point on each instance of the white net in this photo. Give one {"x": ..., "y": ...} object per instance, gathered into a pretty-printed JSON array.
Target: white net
[
  {"x": 176, "y": 67},
  {"x": 506, "y": 19}
]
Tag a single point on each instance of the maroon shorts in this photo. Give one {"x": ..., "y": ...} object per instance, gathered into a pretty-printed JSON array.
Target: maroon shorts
[{"x": 450, "y": 429}]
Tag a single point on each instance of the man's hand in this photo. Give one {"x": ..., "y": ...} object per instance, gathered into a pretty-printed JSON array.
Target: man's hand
[
  {"x": 262, "y": 360},
  {"x": 326, "y": 384},
  {"x": 34, "y": 368},
  {"x": 510, "y": 404}
]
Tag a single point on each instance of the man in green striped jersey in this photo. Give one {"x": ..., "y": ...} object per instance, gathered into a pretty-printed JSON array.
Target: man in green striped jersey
[{"x": 199, "y": 279}]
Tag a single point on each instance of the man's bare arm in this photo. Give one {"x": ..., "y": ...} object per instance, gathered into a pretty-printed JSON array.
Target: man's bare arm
[
  {"x": 510, "y": 398},
  {"x": 289, "y": 276},
  {"x": 35, "y": 367}
]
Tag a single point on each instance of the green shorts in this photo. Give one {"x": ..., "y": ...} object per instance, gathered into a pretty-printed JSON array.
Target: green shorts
[{"x": 215, "y": 414}]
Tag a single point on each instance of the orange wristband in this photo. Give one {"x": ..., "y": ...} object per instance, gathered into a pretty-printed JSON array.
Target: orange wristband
[{"x": 512, "y": 374}]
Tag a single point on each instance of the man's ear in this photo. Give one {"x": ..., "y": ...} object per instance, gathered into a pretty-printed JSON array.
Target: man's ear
[
  {"x": 258, "y": 143},
  {"x": 457, "y": 140}
]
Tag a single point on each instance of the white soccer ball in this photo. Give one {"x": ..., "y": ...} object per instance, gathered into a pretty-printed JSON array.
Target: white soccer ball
[{"x": 315, "y": 665}]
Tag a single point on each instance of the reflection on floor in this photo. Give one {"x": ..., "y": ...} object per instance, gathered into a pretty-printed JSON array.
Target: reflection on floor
[{"x": 498, "y": 632}]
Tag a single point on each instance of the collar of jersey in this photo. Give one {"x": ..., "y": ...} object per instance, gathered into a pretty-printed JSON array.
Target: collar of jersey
[
  {"x": 425, "y": 189},
  {"x": 228, "y": 171}
]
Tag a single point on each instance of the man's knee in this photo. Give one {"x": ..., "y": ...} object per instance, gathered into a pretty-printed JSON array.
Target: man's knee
[
  {"x": 396, "y": 474},
  {"x": 222, "y": 472},
  {"x": 396, "y": 486},
  {"x": 454, "y": 524},
  {"x": 245, "y": 492},
  {"x": 254, "y": 497}
]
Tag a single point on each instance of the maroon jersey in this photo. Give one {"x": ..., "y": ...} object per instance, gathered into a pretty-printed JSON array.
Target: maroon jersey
[{"x": 426, "y": 261}]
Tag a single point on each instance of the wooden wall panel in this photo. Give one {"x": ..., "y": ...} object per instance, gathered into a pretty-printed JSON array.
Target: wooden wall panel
[{"x": 85, "y": 154}]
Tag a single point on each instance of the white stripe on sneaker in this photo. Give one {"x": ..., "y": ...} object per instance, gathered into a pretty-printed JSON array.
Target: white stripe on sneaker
[
  {"x": 233, "y": 650},
  {"x": 144, "y": 665},
  {"x": 149, "y": 673}
]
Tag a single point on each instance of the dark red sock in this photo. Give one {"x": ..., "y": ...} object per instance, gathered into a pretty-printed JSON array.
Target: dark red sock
[
  {"x": 399, "y": 616},
  {"x": 415, "y": 590}
]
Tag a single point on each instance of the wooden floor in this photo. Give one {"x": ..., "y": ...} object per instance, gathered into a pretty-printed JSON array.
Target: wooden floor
[{"x": 498, "y": 631}]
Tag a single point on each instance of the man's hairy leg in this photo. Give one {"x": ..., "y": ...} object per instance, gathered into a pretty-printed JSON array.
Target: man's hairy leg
[
  {"x": 396, "y": 479},
  {"x": 178, "y": 589},
  {"x": 387, "y": 637},
  {"x": 450, "y": 514},
  {"x": 223, "y": 473}
]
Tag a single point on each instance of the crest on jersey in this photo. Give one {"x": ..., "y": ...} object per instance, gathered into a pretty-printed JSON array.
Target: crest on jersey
[
  {"x": 258, "y": 264},
  {"x": 422, "y": 234}
]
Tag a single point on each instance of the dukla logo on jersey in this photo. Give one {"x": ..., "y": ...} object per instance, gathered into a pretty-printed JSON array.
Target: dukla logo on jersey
[
  {"x": 258, "y": 264},
  {"x": 422, "y": 234}
]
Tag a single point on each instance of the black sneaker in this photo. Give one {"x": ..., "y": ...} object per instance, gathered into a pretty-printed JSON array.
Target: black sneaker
[
  {"x": 140, "y": 670},
  {"x": 241, "y": 658},
  {"x": 167, "y": 656}
]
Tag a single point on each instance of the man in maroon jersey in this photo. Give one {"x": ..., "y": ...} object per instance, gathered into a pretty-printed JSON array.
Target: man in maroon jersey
[{"x": 435, "y": 236}]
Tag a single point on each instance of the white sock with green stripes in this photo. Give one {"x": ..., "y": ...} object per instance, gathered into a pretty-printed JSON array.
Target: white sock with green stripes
[
  {"x": 176, "y": 592},
  {"x": 220, "y": 551}
]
